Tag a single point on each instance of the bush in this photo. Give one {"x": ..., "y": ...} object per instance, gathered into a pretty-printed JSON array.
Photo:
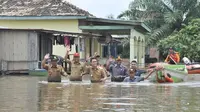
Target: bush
[{"x": 186, "y": 41}]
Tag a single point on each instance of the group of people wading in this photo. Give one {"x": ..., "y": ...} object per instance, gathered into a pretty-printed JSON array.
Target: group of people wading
[{"x": 99, "y": 73}]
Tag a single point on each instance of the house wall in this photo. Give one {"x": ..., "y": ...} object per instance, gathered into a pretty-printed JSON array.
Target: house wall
[
  {"x": 19, "y": 49},
  {"x": 137, "y": 47},
  {"x": 59, "y": 25},
  {"x": 96, "y": 47}
]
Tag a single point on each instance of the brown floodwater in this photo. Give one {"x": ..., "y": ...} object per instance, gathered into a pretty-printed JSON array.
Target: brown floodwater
[{"x": 34, "y": 94}]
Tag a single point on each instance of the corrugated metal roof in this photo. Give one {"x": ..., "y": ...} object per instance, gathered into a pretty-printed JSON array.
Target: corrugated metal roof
[{"x": 40, "y": 8}]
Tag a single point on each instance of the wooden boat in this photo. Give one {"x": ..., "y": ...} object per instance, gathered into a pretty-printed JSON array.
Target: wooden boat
[
  {"x": 193, "y": 68},
  {"x": 179, "y": 73},
  {"x": 38, "y": 72}
]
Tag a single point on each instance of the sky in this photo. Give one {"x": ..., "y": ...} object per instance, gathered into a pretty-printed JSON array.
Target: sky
[{"x": 102, "y": 8}]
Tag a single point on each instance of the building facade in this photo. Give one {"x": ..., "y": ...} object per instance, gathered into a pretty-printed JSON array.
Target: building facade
[{"x": 46, "y": 14}]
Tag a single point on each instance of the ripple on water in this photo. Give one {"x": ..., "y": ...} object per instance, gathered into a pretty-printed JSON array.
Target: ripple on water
[{"x": 24, "y": 94}]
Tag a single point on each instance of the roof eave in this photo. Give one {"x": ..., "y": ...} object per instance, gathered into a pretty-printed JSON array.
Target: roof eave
[
  {"x": 40, "y": 17},
  {"x": 124, "y": 22}
]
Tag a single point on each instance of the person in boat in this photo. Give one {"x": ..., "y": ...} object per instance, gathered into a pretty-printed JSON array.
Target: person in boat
[
  {"x": 173, "y": 57},
  {"x": 118, "y": 71},
  {"x": 133, "y": 78},
  {"x": 97, "y": 73},
  {"x": 134, "y": 65},
  {"x": 161, "y": 76},
  {"x": 77, "y": 68},
  {"x": 186, "y": 61},
  {"x": 55, "y": 71}
]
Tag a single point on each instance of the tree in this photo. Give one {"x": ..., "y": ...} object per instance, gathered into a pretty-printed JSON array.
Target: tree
[
  {"x": 186, "y": 41},
  {"x": 111, "y": 16},
  {"x": 124, "y": 47},
  {"x": 163, "y": 16}
]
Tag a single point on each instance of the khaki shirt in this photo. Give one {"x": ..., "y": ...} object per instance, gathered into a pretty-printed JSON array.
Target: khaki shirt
[
  {"x": 55, "y": 71},
  {"x": 97, "y": 74},
  {"x": 77, "y": 70}
]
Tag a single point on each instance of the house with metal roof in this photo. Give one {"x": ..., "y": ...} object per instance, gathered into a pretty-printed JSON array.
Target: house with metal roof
[
  {"x": 43, "y": 14},
  {"x": 24, "y": 49},
  {"x": 63, "y": 16}
]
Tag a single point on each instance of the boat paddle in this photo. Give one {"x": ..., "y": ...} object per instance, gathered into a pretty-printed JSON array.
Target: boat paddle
[{"x": 173, "y": 60}]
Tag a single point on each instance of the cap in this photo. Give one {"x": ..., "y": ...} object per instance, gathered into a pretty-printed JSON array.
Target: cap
[
  {"x": 76, "y": 55},
  {"x": 118, "y": 58},
  {"x": 134, "y": 61},
  {"x": 53, "y": 58},
  {"x": 171, "y": 48},
  {"x": 97, "y": 56},
  {"x": 132, "y": 70}
]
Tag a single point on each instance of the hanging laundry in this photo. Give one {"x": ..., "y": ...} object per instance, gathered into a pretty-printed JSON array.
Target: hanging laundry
[
  {"x": 54, "y": 40},
  {"x": 59, "y": 39},
  {"x": 66, "y": 41},
  {"x": 76, "y": 48},
  {"x": 72, "y": 41},
  {"x": 62, "y": 40}
]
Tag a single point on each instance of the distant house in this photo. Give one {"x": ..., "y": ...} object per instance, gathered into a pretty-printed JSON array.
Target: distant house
[{"x": 45, "y": 14}]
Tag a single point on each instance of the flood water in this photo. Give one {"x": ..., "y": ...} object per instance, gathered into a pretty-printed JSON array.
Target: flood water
[{"x": 34, "y": 94}]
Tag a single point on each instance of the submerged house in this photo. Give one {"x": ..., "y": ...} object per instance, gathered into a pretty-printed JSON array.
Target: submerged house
[
  {"x": 23, "y": 49},
  {"x": 46, "y": 14},
  {"x": 64, "y": 17}
]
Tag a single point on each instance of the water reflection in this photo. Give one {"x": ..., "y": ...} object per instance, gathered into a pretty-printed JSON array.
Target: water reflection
[
  {"x": 25, "y": 94},
  {"x": 116, "y": 97},
  {"x": 72, "y": 97},
  {"x": 50, "y": 97}
]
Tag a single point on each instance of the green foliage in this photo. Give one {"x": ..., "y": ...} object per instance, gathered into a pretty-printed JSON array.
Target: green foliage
[
  {"x": 124, "y": 48},
  {"x": 163, "y": 16},
  {"x": 110, "y": 16},
  {"x": 126, "y": 51},
  {"x": 187, "y": 40}
]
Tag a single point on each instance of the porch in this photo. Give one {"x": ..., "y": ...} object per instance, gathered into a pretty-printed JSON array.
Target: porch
[{"x": 135, "y": 30}]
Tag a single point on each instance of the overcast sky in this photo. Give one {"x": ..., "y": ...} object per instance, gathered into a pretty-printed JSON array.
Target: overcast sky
[{"x": 102, "y": 8}]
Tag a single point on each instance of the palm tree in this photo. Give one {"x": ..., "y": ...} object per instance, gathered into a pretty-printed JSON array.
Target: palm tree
[{"x": 163, "y": 16}]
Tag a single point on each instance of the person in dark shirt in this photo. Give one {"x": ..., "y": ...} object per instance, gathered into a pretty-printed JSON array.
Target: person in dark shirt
[
  {"x": 118, "y": 71},
  {"x": 139, "y": 72},
  {"x": 133, "y": 78}
]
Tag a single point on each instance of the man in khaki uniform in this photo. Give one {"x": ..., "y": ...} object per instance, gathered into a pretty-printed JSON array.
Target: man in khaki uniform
[
  {"x": 54, "y": 70},
  {"x": 98, "y": 57},
  {"x": 77, "y": 68},
  {"x": 97, "y": 73}
]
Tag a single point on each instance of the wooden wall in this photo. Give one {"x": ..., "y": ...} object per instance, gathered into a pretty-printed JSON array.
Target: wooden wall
[{"x": 19, "y": 49}]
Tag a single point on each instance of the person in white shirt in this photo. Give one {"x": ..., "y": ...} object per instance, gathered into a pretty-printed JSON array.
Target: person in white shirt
[{"x": 186, "y": 61}]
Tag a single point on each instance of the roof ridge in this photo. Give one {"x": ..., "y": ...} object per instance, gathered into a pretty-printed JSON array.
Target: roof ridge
[
  {"x": 76, "y": 7},
  {"x": 40, "y": 8}
]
